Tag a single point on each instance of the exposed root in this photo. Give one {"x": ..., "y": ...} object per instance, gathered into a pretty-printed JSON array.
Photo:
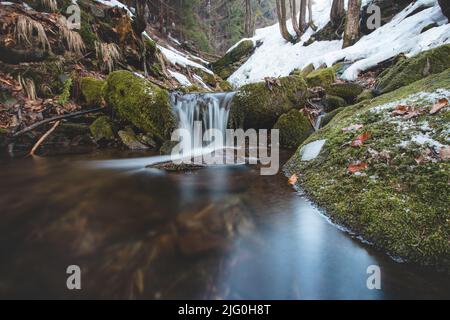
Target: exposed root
[
  {"x": 28, "y": 30},
  {"x": 29, "y": 87},
  {"x": 109, "y": 53}
]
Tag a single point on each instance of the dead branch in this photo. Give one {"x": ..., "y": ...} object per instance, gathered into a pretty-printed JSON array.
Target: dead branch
[
  {"x": 42, "y": 139},
  {"x": 60, "y": 117}
]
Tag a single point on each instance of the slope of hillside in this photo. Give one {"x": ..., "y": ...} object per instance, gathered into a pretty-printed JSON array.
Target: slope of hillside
[{"x": 408, "y": 33}]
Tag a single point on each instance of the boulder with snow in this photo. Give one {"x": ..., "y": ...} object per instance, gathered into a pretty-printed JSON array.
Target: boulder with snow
[{"x": 233, "y": 59}]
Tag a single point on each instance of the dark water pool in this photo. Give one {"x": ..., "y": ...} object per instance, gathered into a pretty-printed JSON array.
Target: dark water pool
[{"x": 215, "y": 233}]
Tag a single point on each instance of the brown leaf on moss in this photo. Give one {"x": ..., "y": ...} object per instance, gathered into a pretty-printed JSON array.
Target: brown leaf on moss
[
  {"x": 361, "y": 139},
  {"x": 293, "y": 180},
  {"x": 444, "y": 153},
  {"x": 442, "y": 103},
  {"x": 357, "y": 167}
]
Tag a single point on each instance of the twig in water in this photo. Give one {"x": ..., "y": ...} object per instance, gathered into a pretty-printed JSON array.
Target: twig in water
[{"x": 42, "y": 139}]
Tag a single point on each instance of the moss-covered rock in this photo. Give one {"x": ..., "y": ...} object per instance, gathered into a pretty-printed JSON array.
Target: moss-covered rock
[
  {"x": 321, "y": 77},
  {"x": 365, "y": 95},
  {"x": 307, "y": 70},
  {"x": 256, "y": 106},
  {"x": 294, "y": 128},
  {"x": 347, "y": 91},
  {"x": 92, "y": 90},
  {"x": 396, "y": 200},
  {"x": 407, "y": 71},
  {"x": 102, "y": 129},
  {"x": 140, "y": 102},
  {"x": 230, "y": 62},
  {"x": 167, "y": 147},
  {"x": 225, "y": 86},
  {"x": 333, "y": 102},
  {"x": 129, "y": 139}
]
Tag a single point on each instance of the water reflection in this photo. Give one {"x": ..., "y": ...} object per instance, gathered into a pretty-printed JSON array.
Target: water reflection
[{"x": 222, "y": 232}]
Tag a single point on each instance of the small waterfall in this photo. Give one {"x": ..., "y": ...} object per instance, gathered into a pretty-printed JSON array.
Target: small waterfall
[{"x": 211, "y": 109}]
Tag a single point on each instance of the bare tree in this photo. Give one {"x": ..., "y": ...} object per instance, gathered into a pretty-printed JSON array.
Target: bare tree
[
  {"x": 351, "y": 34},
  {"x": 281, "y": 12},
  {"x": 249, "y": 19},
  {"x": 337, "y": 12},
  {"x": 295, "y": 26}
]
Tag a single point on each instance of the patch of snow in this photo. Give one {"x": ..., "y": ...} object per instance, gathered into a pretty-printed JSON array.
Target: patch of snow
[
  {"x": 200, "y": 80},
  {"x": 276, "y": 57},
  {"x": 426, "y": 140},
  {"x": 181, "y": 78},
  {"x": 115, "y": 3},
  {"x": 138, "y": 75},
  {"x": 181, "y": 60},
  {"x": 312, "y": 150}
]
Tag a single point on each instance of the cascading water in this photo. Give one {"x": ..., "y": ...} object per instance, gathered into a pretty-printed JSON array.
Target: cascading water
[{"x": 210, "y": 109}]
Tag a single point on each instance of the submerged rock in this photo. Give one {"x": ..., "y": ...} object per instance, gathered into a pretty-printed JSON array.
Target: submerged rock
[
  {"x": 294, "y": 128},
  {"x": 173, "y": 167},
  {"x": 257, "y": 106},
  {"x": 407, "y": 71},
  {"x": 140, "y": 102}
]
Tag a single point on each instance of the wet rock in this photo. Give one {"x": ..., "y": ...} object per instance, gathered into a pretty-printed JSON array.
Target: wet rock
[
  {"x": 294, "y": 128},
  {"x": 257, "y": 106},
  {"x": 128, "y": 138},
  {"x": 140, "y": 102},
  {"x": 173, "y": 167},
  {"x": 102, "y": 129}
]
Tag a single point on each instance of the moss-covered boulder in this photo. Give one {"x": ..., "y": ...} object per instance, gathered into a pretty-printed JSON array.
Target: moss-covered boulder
[
  {"x": 333, "y": 102},
  {"x": 365, "y": 95},
  {"x": 102, "y": 129},
  {"x": 407, "y": 71},
  {"x": 140, "y": 102},
  {"x": 347, "y": 91},
  {"x": 92, "y": 90},
  {"x": 321, "y": 77},
  {"x": 389, "y": 188},
  {"x": 294, "y": 128},
  {"x": 231, "y": 61},
  {"x": 257, "y": 106}
]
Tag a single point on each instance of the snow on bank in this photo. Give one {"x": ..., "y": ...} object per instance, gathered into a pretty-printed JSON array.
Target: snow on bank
[
  {"x": 276, "y": 57},
  {"x": 181, "y": 78},
  {"x": 115, "y": 3}
]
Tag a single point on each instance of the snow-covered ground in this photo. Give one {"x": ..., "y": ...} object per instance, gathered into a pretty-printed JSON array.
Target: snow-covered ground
[{"x": 276, "y": 57}]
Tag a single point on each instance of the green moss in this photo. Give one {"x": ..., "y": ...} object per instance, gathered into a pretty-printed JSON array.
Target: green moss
[
  {"x": 348, "y": 91},
  {"x": 143, "y": 104},
  {"x": 92, "y": 90},
  {"x": 399, "y": 205},
  {"x": 321, "y": 77},
  {"x": 225, "y": 85},
  {"x": 407, "y": 71},
  {"x": 102, "y": 129},
  {"x": 256, "y": 106},
  {"x": 307, "y": 70},
  {"x": 333, "y": 102},
  {"x": 365, "y": 95},
  {"x": 230, "y": 62},
  {"x": 294, "y": 128},
  {"x": 67, "y": 91}
]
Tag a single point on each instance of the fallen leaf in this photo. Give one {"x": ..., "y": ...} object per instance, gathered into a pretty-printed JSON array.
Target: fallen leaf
[
  {"x": 357, "y": 167},
  {"x": 293, "y": 180},
  {"x": 361, "y": 139},
  {"x": 401, "y": 110},
  {"x": 442, "y": 103},
  {"x": 353, "y": 127},
  {"x": 444, "y": 153}
]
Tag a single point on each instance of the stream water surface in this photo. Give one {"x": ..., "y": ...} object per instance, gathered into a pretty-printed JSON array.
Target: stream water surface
[{"x": 223, "y": 232}]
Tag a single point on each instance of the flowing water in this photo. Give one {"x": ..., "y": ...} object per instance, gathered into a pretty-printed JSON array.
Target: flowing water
[{"x": 219, "y": 232}]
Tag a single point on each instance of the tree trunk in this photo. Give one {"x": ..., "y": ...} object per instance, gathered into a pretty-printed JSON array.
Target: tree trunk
[
  {"x": 140, "y": 22},
  {"x": 248, "y": 25},
  {"x": 337, "y": 12},
  {"x": 445, "y": 6},
  {"x": 293, "y": 7},
  {"x": 302, "y": 19},
  {"x": 281, "y": 12},
  {"x": 351, "y": 34}
]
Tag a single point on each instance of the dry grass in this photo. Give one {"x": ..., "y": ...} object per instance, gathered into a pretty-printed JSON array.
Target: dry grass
[
  {"x": 29, "y": 87},
  {"x": 72, "y": 38},
  {"x": 52, "y": 5},
  {"x": 109, "y": 53},
  {"x": 28, "y": 30}
]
